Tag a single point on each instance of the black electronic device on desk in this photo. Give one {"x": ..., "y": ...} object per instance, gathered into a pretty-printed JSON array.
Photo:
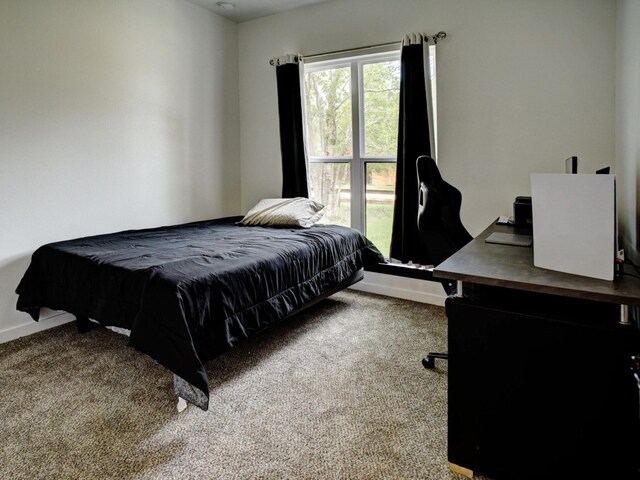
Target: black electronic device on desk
[
  {"x": 522, "y": 212},
  {"x": 515, "y": 239},
  {"x": 520, "y": 234}
]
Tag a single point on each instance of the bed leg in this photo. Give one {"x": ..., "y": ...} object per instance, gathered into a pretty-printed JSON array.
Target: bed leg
[
  {"x": 84, "y": 324},
  {"x": 182, "y": 404}
]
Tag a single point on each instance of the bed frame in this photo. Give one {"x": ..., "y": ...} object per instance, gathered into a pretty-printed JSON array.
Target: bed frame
[{"x": 187, "y": 293}]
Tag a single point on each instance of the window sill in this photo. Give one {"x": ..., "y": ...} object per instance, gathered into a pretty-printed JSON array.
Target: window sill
[{"x": 400, "y": 270}]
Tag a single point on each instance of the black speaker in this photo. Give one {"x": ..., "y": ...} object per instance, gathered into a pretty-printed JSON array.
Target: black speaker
[{"x": 522, "y": 212}]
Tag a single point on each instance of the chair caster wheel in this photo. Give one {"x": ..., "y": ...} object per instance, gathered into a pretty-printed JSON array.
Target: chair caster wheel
[{"x": 429, "y": 362}]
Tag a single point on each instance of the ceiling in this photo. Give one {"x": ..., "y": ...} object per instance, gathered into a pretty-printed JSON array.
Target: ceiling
[{"x": 250, "y": 9}]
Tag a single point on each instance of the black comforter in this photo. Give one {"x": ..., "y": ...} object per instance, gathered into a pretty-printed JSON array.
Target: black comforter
[{"x": 189, "y": 292}]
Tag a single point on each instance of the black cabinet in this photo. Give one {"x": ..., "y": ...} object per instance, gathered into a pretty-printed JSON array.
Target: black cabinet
[{"x": 541, "y": 386}]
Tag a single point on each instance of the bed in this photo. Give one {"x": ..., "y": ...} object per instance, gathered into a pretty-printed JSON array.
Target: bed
[{"x": 187, "y": 293}]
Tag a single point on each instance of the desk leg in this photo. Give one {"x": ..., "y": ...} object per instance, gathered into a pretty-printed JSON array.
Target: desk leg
[
  {"x": 624, "y": 315},
  {"x": 459, "y": 289}
]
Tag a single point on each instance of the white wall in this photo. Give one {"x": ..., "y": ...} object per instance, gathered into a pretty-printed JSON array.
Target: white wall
[
  {"x": 522, "y": 85},
  {"x": 628, "y": 124},
  {"x": 114, "y": 114}
]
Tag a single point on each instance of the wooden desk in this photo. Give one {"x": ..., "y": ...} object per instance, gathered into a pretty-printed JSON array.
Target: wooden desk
[
  {"x": 540, "y": 379},
  {"x": 512, "y": 267}
]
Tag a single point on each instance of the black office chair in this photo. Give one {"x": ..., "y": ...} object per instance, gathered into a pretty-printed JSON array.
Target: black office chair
[{"x": 440, "y": 229}]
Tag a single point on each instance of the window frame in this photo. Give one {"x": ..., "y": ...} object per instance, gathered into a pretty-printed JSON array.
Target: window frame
[{"x": 358, "y": 161}]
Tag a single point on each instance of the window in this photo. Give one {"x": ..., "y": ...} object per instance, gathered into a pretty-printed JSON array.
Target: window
[{"x": 351, "y": 115}]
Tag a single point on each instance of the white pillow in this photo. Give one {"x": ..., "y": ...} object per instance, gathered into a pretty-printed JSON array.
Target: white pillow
[{"x": 284, "y": 212}]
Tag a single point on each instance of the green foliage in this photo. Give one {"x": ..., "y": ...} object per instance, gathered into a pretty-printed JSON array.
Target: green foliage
[
  {"x": 328, "y": 109},
  {"x": 381, "y": 93},
  {"x": 379, "y": 222},
  {"x": 328, "y": 180}
]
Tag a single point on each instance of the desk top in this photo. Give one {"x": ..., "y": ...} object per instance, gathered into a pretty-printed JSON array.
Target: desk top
[{"x": 512, "y": 267}]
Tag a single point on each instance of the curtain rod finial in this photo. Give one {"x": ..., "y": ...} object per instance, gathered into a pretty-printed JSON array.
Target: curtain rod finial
[{"x": 438, "y": 36}]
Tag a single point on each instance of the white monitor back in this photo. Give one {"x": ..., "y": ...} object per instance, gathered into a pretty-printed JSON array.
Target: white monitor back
[{"x": 574, "y": 223}]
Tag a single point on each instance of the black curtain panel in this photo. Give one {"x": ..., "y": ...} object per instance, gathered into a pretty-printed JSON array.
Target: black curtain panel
[
  {"x": 294, "y": 161},
  {"x": 413, "y": 141}
]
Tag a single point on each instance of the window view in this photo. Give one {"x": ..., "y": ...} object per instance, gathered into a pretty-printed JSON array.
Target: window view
[
  {"x": 329, "y": 140},
  {"x": 330, "y": 186},
  {"x": 351, "y": 110},
  {"x": 380, "y": 191},
  {"x": 328, "y": 108},
  {"x": 381, "y": 93}
]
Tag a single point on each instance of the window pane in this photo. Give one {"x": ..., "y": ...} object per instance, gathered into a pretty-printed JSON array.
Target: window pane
[
  {"x": 380, "y": 193},
  {"x": 330, "y": 185},
  {"x": 328, "y": 112},
  {"x": 381, "y": 85}
]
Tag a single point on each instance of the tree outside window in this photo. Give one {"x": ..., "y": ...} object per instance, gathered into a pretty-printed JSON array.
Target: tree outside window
[{"x": 351, "y": 113}]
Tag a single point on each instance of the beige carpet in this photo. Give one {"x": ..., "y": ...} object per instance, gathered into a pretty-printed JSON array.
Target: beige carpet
[{"x": 337, "y": 392}]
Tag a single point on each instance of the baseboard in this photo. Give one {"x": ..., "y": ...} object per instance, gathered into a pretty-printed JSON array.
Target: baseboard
[
  {"x": 25, "y": 329},
  {"x": 399, "y": 287}
]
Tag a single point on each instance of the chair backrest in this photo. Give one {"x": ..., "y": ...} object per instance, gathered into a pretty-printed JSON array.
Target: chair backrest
[{"x": 440, "y": 229}]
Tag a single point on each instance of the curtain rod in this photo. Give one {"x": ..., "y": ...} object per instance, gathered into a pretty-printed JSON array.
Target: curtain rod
[{"x": 438, "y": 36}]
